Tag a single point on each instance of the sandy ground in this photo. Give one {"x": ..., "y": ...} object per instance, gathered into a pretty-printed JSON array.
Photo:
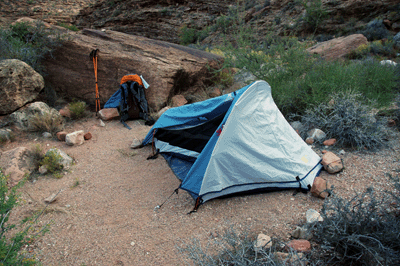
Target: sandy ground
[{"x": 109, "y": 218}]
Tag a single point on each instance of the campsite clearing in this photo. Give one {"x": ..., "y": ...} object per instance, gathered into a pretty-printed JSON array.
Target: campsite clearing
[{"x": 105, "y": 213}]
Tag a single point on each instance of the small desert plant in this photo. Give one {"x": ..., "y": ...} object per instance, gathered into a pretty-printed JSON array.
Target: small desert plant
[
  {"x": 6, "y": 136},
  {"x": 77, "y": 109},
  {"x": 51, "y": 122},
  {"x": 29, "y": 43},
  {"x": 187, "y": 35},
  {"x": 67, "y": 26},
  {"x": 232, "y": 248},
  {"x": 76, "y": 183},
  {"x": 375, "y": 30},
  {"x": 53, "y": 162},
  {"x": 376, "y": 48},
  {"x": 361, "y": 231},
  {"x": 10, "y": 246},
  {"x": 315, "y": 13},
  {"x": 36, "y": 154},
  {"x": 346, "y": 118}
]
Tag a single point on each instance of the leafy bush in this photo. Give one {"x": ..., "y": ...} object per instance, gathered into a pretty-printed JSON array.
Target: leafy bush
[
  {"x": 52, "y": 161},
  {"x": 315, "y": 13},
  {"x": 28, "y": 43},
  {"x": 376, "y": 48},
  {"x": 348, "y": 120},
  {"x": 361, "y": 231},
  {"x": 77, "y": 109},
  {"x": 300, "y": 80},
  {"x": 10, "y": 246},
  {"x": 191, "y": 35},
  {"x": 51, "y": 122}
]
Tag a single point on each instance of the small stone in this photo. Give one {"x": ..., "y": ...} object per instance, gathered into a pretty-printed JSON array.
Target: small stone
[
  {"x": 290, "y": 259},
  {"x": 47, "y": 135},
  {"x": 320, "y": 188},
  {"x": 329, "y": 142},
  {"x": 136, "y": 144},
  {"x": 65, "y": 112},
  {"x": 30, "y": 201},
  {"x": 296, "y": 125},
  {"x": 178, "y": 100},
  {"x": 50, "y": 199},
  {"x": 309, "y": 141},
  {"x": 331, "y": 163},
  {"x": 108, "y": 114},
  {"x": 301, "y": 233},
  {"x": 132, "y": 243},
  {"x": 316, "y": 134},
  {"x": 43, "y": 170},
  {"x": 102, "y": 123},
  {"x": 61, "y": 135},
  {"x": 87, "y": 136},
  {"x": 75, "y": 138},
  {"x": 388, "y": 63},
  {"x": 342, "y": 152},
  {"x": 215, "y": 93},
  {"x": 163, "y": 110},
  {"x": 263, "y": 241},
  {"x": 391, "y": 123},
  {"x": 300, "y": 245},
  {"x": 313, "y": 216}
]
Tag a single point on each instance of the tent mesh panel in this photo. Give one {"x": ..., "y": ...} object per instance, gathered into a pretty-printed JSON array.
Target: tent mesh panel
[{"x": 194, "y": 139}]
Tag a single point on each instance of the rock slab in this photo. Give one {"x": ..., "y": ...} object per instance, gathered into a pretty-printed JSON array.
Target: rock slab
[
  {"x": 169, "y": 68},
  {"x": 338, "y": 47},
  {"x": 16, "y": 163}
]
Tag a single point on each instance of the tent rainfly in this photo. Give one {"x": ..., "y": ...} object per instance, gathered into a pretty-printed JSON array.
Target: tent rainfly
[{"x": 236, "y": 143}]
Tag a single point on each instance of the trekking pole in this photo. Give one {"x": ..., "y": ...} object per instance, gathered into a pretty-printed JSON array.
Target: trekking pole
[{"x": 93, "y": 56}]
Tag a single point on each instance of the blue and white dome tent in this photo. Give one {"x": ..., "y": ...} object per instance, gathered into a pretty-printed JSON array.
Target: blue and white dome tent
[{"x": 236, "y": 143}]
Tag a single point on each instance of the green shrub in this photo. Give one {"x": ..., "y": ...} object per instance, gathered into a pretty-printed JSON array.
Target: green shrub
[
  {"x": 190, "y": 35},
  {"x": 375, "y": 30},
  {"x": 28, "y": 43},
  {"x": 10, "y": 246},
  {"x": 53, "y": 162},
  {"x": 315, "y": 13},
  {"x": 51, "y": 122},
  {"x": 376, "y": 48},
  {"x": 77, "y": 109},
  {"x": 361, "y": 231},
  {"x": 348, "y": 120},
  {"x": 36, "y": 153},
  {"x": 187, "y": 35},
  {"x": 67, "y": 26},
  {"x": 299, "y": 80}
]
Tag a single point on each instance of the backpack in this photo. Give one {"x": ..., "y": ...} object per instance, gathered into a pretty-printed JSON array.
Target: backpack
[{"x": 133, "y": 104}]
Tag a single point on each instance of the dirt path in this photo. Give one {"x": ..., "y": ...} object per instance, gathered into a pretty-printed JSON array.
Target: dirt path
[{"x": 110, "y": 217}]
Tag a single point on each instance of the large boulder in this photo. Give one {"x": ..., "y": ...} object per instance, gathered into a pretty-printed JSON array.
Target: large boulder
[
  {"x": 19, "y": 84},
  {"x": 169, "y": 68},
  {"x": 16, "y": 163},
  {"x": 23, "y": 118},
  {"x": 338, "y": 47}
]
